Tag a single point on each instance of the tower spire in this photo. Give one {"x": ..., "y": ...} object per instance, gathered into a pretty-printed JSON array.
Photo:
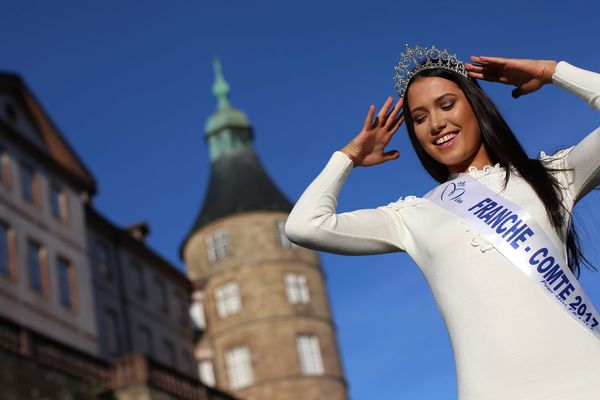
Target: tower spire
[
  {"x": 227, "y": 129},
  {"x": 220, "y": 87}
]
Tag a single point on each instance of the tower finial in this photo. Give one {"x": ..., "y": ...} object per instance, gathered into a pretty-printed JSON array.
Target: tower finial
[{"x": 220, "y": 87}]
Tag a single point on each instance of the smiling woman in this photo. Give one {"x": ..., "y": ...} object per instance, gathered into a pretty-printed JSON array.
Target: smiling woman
[{"x": 495, "y": 240}]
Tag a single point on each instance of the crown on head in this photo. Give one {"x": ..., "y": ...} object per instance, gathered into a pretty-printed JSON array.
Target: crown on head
[{"x": 413, "y": 61}]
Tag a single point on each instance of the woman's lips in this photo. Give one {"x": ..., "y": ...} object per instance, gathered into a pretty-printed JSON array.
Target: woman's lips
[{"x": 449, "y": 143}]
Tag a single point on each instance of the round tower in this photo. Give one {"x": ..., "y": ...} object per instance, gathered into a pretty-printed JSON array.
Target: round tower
[{"x": 264, "y": 326}]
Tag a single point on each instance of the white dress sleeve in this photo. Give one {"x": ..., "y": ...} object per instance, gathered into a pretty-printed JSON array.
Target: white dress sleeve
[
  {"x": 313, "y": 222},
  {"x": 584, "y": 158}
]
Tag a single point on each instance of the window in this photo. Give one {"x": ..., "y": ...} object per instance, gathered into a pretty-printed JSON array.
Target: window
[
  {"x": 309, "y": 354},
  {"x": 8, "y": 251},
  {"x": 66, "y": 282},
  {"x": 36, "y": 267},
  {"x": 296, "y": 288},
  {"x": 162, "y": 296},
  {"x": 102, "y": 260},
  {"x": 11, "y": 112},
  {"x": 206, "y": 372},
  {"x": 138, "y": 281},
  {"x": 239, "y": 367},
  {"x": 217, "y": 245},
  {"x": 5, "y": 176},
  {"x": 4, "y": 257},
  {"x": 228, "y": 299},
  {"x": 29, "y": 184},
  {"x": 170, "y": 357},
  {"x": 145, "y": 336},
  {"x": 183, "y": 308},
  {"x": 112, "y": 332},
  {"x": 282, "y": 238},
  {"x": 58, "y": 203},
  {"x": 197, "y": 315}
]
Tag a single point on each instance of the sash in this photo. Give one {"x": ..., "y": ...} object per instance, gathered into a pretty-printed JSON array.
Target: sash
[{"x": 516, "y": 235}]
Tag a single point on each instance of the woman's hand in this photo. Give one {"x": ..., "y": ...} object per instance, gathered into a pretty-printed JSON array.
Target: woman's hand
[
  {"x": 527, "y": 75},
  {"x": 367, "y": 148}
]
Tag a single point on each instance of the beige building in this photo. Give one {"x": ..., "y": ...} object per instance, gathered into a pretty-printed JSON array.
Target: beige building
[
  {"x": 260, "y": 307},
  {"x": 87, "y": 309},
  {"x": 45, "y": 276}
]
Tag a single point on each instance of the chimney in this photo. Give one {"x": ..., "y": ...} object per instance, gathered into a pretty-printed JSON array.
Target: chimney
[{"x": 138, "y": 230}]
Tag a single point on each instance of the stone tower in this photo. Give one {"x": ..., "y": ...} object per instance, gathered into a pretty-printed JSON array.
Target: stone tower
[{"x": 265, "y": 330}]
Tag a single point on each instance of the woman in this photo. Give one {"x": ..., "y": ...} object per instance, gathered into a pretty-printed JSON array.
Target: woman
[{"x": 510, "y": 339}]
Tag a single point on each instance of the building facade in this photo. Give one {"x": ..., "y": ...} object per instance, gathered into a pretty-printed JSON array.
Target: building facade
[
  {"x": 260, "y": 306},
  {"x": 45, "y": 275},
  {"x": 142, "y": 302},
  {"x": 87, "y": 309}
]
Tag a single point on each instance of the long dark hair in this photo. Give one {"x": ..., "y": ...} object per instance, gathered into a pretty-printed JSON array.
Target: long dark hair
[{"x": 503, "y": 147}]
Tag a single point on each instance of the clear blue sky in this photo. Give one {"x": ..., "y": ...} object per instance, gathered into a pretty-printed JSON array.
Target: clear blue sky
[{"x": 128, "y": 83}]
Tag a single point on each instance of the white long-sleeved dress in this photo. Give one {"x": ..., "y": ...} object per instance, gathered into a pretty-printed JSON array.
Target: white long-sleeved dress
[{"x": 510, "y": 341}]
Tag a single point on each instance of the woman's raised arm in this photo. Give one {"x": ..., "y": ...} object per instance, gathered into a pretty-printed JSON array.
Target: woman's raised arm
[
  {"x": 528, "y": 76},
  {"x": 313, "y": 222},
  {"x": 584, "y": 157}
]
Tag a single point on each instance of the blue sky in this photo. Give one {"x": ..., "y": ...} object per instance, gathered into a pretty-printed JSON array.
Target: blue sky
[{"x": 129, "y": 85}]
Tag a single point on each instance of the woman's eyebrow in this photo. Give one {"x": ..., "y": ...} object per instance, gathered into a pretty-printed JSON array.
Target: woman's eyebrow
[{"x": 437, "y": 100}]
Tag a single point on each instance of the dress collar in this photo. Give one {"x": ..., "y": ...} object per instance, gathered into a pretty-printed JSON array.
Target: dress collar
[{"x": 478, "y": 173}]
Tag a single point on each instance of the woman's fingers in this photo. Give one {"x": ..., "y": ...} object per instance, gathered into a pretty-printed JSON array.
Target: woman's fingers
[
  {"x": 369, "y": 119},
  {"x": 384, "y": 110},
  {"x": 474, "y": 68},
  {"x": 394, "y": 114},
  {"x": 488, "y": 68},
  {"x": 391, "y": 155},
  {"x": 516, "y": 93},
  {"x": 476, "y": 75},
  {"x": 494, "y": 69},
  {"x": 397, "y": 123},
  {"x": 485, "y": 60},
  {"x": 488, "y": 76},
  {"x": 481, "y": 68}
]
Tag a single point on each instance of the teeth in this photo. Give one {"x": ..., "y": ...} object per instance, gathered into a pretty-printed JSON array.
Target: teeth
[{"x": 445, "y": 138}]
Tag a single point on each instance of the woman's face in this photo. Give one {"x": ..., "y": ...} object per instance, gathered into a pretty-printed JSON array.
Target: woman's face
[{"x": 445, "y": 124}]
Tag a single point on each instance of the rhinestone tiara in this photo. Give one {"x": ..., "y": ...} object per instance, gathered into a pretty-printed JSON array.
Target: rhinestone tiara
[{"x": 413, "y": 61}]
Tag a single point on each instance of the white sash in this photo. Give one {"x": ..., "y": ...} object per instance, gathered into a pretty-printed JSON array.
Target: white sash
[{"x": 516, "y": 235}]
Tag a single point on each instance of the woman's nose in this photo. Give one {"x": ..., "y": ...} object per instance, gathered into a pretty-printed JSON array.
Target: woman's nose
[{"x": 437, "y": 124}]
